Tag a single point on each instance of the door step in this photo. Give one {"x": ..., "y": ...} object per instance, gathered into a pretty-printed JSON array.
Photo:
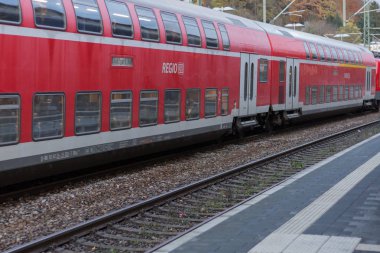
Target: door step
[
  {"x": 293, "y": 115},
  {"x": 249, "y": 123}
]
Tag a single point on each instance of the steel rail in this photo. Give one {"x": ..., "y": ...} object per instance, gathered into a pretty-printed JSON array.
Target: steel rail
[
  {"x": 44, "y": 184},
  {"x": 84, "y": 228}
]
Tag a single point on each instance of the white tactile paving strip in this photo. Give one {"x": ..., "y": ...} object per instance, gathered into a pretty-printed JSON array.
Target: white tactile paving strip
[
  {"x": 289, "y": 239},
  {"x": 282, "y": 241},
  {"x": 368, "y": 247},
  {"x": 307, "y": 243}
]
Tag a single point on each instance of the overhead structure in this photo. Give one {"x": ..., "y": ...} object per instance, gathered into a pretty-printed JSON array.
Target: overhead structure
[
  {"x": 264, "y": 11},
  {"x": 344, "y": 13},
  {"x": 366, "y": 28},
  {"x": 282, "y": 12}
]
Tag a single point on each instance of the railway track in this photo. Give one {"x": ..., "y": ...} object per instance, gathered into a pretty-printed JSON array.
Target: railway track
[
  {"x": 148, "y": 225},
  {"x": 51, "y": 183}
]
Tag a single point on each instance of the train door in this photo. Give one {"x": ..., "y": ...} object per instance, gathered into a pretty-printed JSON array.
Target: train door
[
  {"x": 292, "y": 84},
  {"x": 248, "y": 84}
]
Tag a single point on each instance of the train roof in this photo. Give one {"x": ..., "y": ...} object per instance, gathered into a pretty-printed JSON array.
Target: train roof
[
  {"x": 183, "y": 8},
  {"x": 311, "y": 37},
  {"x": 198, "y": 11},
  {"x": 227, "y": 18}
]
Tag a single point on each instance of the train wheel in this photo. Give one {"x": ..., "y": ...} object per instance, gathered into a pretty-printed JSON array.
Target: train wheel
[
  {"x": 376, "y": 105},
  {"x": 268, "y": 126},
  {"x": 237, "y": 129}
]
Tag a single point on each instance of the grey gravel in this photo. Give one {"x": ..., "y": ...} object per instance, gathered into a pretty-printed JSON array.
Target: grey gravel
[{"x": 32, "y": 217}]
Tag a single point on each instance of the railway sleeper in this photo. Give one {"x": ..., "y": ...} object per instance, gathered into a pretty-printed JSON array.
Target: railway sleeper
[
  {"x": 200, "y": 207},
  {"x": 123, "y": 238},
  {"x": 94, "y": 246},
  {"x": 208, "y": 197},
  {"x": 237, "y": 181},
  {"x": 171, "y": 218},
  {"x": 190, "y": 212},
  {"x": 215, "y": 191},
  {"x": 155, "y": 224},
  {"x": 232, "y": 185},
  {"x": 143, "y": 231}
]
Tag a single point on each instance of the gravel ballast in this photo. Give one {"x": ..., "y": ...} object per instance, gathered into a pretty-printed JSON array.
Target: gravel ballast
[{"x": 31, "y": 217}]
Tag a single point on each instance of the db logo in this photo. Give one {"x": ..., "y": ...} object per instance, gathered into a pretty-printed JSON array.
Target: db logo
[{"x": 173, "y": 68}]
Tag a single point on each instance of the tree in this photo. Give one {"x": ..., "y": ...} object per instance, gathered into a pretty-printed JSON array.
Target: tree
[
  {"x": 352, "y": 30},
  {"x": 335, "y": 20},
  {"x": 252, "y": 9},
  {"x": 319, "y": 27}
]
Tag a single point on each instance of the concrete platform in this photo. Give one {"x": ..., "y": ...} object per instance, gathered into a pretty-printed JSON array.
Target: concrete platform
[{"x": 332, "y": 207}]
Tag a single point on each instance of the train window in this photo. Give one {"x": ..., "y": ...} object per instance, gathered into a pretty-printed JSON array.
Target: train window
[
  {"x": 263, "y": 65},
  {"x": 245, "y": 81},
  {"x": 368, "y": 80},
  {"x": 211, "y": 98},
  {"x": 121, "y": 21},
  {"x": 87, "y": 113},
  {"x": 360, "y": 58},
  {"x": 282, "y": 71},
  {"x": 224, "y": 102},
  {"x": 225, "y": 38},
  {"x": 314, "y": 51},
  {"x": 48, "y": 119},
  {"x": 290, "y": 80},
  {"x": 251, "y": 83},
  {"x": 328, "y": 53},
  {"x": 121, "y": 110},
  {"x": 192, "y": 31},
  {"x": 172, "y": 106},
  {"x": 307, "y": 50},
  {"x": 295, "y": 81},
  {"x": 341, "y": 92},
  {"x": 335, "y": 93},
  {"x": 321, "y": 94},
  {"x": 334, "y": 54},
  {"x": 192, "y": 104},
  {"x": 211, "y": 35},
  {"x": 10, "y": 11},
  {"x": 340, "y": 55},
  {"x": 351, "y": 57},
  {"x": 321, "y": 52},
  {"x": 346, "y": 92},
  {"x": 148, "y": 108},
  {"x": 352, "y": 95},
  {"x": 49, "y": 14},
  {"x": 307, "y": 95},
  {"x": 88, "y": 16},
  {"x": 356, "y": 58},
  {"x": 9, "y": 119},
  {"x": 148, "y": 24},
  {"x": 172, "y": 29},
  {"x": 328, "y": 94},
  {"x": 357, "y": 91},
  {"x": 314, "y": 95},
  {"x": 346, "y": 59},
  {"x": 357, "y": 55}
]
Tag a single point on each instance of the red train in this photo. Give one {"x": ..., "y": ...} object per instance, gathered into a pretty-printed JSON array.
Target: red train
[{"x": 84, "y": 82}]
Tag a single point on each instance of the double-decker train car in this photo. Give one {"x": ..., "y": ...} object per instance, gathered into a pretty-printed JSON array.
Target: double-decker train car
[{"x": 86, "y": 82}]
